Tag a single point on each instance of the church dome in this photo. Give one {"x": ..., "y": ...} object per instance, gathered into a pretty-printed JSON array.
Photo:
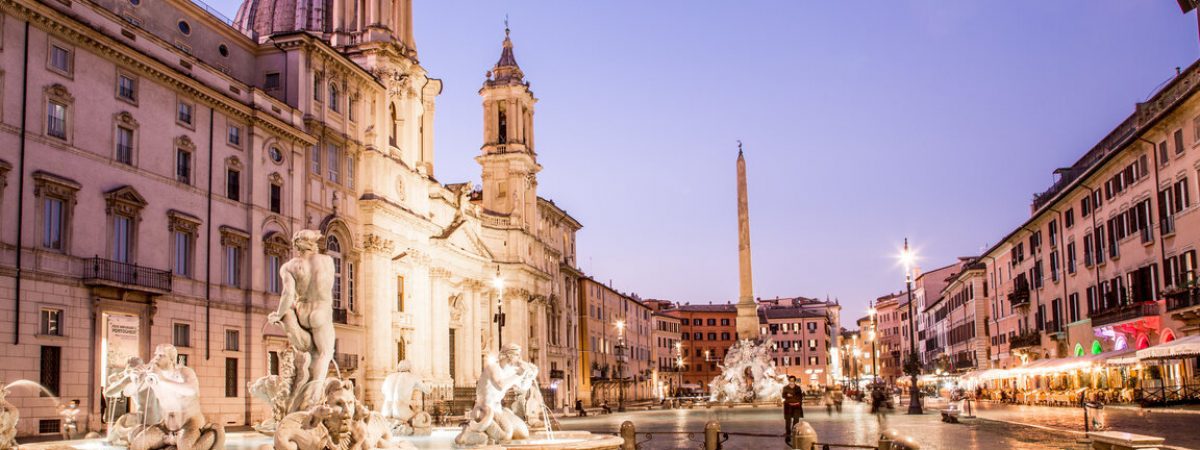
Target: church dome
[{"x": 266, "y": 17}]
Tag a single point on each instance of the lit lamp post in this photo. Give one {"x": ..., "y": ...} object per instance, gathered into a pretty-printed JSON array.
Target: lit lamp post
[
  {"x": 874, "y": 351},
  {"x": 914, "y": 393},
  {"x": 498, "y": 284},
  {"x": 857, "y": 354},
  {"x": 678, "y": 368},
  {"x": 621, "y": 365}
]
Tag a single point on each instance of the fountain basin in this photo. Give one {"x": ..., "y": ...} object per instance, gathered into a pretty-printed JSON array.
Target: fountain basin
[{"x": 439, "y": 439}]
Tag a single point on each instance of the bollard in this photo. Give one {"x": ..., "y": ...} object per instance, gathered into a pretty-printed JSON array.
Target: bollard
[
  {"x": 906, "y": 443},
  {"x": 887, "y": 438},
  {"x": 629, "y": 434},
  {"x": 804, "y": 437},
  {"x": 712, "y": 435}
]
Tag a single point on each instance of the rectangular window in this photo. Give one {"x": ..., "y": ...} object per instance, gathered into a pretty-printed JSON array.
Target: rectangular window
[
  {"x": 50, "y": 372},
  {"x": 181, "y": 335},
  {"x": 1069, "y": 217},
  {"x": 273, "y": 282},
  {"x": 51, "y": 321},
  {"x": 1085, "y": 206},
  {"x": 1164, "y": 155},
  {"x": 233, "y": 184},
  {"x": 1071, "y": 260},
  {"x": 276, "y": 199},
  {"x": 122, "y": 239},
  {"x": 60, "y": 59},
  {"x": 231, "y": 377},
  {"x": 183, "y": 253},
  {"x": 52, "y": 223},
  {"x": 234, "y": 136},
  {"x": 333, "y": 156},
  {"x": 184, "y": 113},
  {"x": 183, "y": 166},
  {"x": 56, "y": 120},
  {"x": 315, "y": 158},
  {"x": 1178, "y": 135},
  {"x": 350, "y": 172},
  {"x": 126, "y": 87},
  {"x": 232, "y": 340},
  {"x": 317, "y": 86},
  {"x": 233, "y": 266},
  {"x": 400, "y": 294},
  {"x": 124, "y": 145},
  {"x": 350, "y": 286},
  {"x": 271, "y": 81},
  {"x": 272, "y": 363}
]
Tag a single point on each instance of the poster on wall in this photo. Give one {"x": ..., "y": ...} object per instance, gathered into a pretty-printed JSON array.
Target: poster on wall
[{"x": 121, "y": 341}]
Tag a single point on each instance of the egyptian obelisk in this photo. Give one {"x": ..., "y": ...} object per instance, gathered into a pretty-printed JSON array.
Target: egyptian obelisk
[{"x": 747, "y": 310}]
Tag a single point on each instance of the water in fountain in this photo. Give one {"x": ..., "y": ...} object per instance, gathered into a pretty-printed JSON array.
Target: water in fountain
[
  {"x": 33, "y": 384},
  {"x": 748, "y": 374}
]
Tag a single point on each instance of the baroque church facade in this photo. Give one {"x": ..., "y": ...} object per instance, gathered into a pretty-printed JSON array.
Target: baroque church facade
[{"x": 155, "y": 159}]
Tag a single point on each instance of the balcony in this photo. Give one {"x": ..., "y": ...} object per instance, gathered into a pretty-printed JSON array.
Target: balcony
[
  {"x": 1183, "y": 298},
  {"x": 1167, "y": 225},
  {"x": 556, "y": 374},
  {"x": 1147, "y": 235},
  {"x": 1123, "y": 313},
  {"x": 346, "y": 362},
  {"x": 1019, "y": 296},
  {"x": 341, "y": 315},
  {"x": 1024, "y": 340},
  {"x": 104, "y": 272}
]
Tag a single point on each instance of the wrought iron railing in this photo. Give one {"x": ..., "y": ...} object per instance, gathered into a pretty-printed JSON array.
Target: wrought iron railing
[
  {"x": 1183, "y": 299},
  {"x": 1124, "y": 312},
  {"x": 1028, "y": 339},
  {"x": 98, "y": 268},
  {"x": 1167, "y": 395}
]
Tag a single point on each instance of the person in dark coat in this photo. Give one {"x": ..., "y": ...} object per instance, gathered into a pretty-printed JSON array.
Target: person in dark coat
[{"x": 793, "y": 405}]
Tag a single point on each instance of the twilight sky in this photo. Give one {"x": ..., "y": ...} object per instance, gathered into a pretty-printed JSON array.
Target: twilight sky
[{"x": 929, "y": 119}]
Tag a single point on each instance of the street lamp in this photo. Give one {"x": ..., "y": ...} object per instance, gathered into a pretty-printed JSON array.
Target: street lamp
[
  {"x": 914, "y": 393},
  {"x": 498, "y": 284},
  {"x": 874, "y": 349},
  {"x": 620, "y": 365},
  {"x": 678, "y": 367}
]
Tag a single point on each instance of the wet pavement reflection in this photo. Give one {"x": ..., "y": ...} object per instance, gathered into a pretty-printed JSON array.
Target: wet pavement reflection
[{"x": 854, "y": 425}]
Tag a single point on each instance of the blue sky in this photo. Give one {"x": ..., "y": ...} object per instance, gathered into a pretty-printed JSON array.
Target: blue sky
[{"x": 863, "y": 123}]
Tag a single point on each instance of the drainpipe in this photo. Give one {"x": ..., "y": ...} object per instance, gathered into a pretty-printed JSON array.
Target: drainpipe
[
  {"x": 21, "y": 185},
  {"x": 208, "y": 246},
  {"x": 1162, "y": 248}
]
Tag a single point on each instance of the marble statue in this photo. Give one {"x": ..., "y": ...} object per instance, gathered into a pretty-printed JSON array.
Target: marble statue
[
  {"x": 489, "y": 422},
  {"x": 8, "y": 421},
  {"x": 337, "y": 422},
  {"x": 305, "y": 313},
  {"x": 748, "y": 375},
  {"x": 398, "y": 389},
  {"x": 175, "y": 420},
  {"x": 306, "y": 309},
  {"x": 121, "y": 389}
]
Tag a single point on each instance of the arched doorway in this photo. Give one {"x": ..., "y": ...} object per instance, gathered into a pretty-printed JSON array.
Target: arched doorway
[
  {"x": 1167, "y": 336},
  {"x": 1143, "y": 341}
]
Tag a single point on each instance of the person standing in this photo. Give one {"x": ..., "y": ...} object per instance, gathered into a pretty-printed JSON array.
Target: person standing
[{"x": 793, "y": 406}]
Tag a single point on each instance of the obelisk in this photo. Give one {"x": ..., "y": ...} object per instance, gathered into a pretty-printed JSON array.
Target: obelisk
[{"x": 747, "y": 309}]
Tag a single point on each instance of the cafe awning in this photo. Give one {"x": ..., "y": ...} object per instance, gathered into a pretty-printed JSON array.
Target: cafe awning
[{"x": 1180, "y": 348}]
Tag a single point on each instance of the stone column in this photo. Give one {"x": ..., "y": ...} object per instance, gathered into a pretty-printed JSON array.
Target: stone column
[
  {"x": 379, "y": 293},
  {"x": 440, "y": 323}
]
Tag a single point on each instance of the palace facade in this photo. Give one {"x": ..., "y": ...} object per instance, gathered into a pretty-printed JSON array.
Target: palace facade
[{"x": 156, "y": 158}]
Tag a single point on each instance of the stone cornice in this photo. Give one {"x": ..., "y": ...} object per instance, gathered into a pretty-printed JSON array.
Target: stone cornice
[{"x": 106, "y": 46}]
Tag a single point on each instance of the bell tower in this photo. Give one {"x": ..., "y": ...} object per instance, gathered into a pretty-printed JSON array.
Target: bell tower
[{"x": 508, "y": 156}]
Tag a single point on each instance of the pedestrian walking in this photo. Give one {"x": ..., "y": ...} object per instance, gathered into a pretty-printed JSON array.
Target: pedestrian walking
[
  {"x": 879, "y": 406},
  {"x": 793, "y": 407},
  {"x": 579, "y": 408}
]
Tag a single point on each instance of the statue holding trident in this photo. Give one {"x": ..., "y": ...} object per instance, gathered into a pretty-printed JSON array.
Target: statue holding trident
[{"x": 305, "y": 313}]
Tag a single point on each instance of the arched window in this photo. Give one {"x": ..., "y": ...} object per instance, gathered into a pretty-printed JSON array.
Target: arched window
[
  {"x": 333, "y": 96},
  {"x": 333, "y": 248},
  {"x": 392, "y": 124},
  {"x": 1096, "y": 348},
  {"x": 501, "y": 125},
  {"x": 1120, "y": 343},
  {"x": 1079, "y": 350}
]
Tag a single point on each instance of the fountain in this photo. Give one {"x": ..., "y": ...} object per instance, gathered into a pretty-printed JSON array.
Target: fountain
[
  {"x": 748, "y": 375},
  {"x": 312, "y": 410}
]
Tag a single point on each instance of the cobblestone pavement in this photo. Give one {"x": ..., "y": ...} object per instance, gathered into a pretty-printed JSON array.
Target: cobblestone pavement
[
  {"x": 1178, "y": 427},
  {"x": 854, "y": 425}
]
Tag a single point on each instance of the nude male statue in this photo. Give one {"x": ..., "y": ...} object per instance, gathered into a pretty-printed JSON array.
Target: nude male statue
[
  {"x": 306, "y": 308},
  {"x": 176, "y": 390},
  {"x": 489, "y": 421},
  {"x": 398, "y": 388}
]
